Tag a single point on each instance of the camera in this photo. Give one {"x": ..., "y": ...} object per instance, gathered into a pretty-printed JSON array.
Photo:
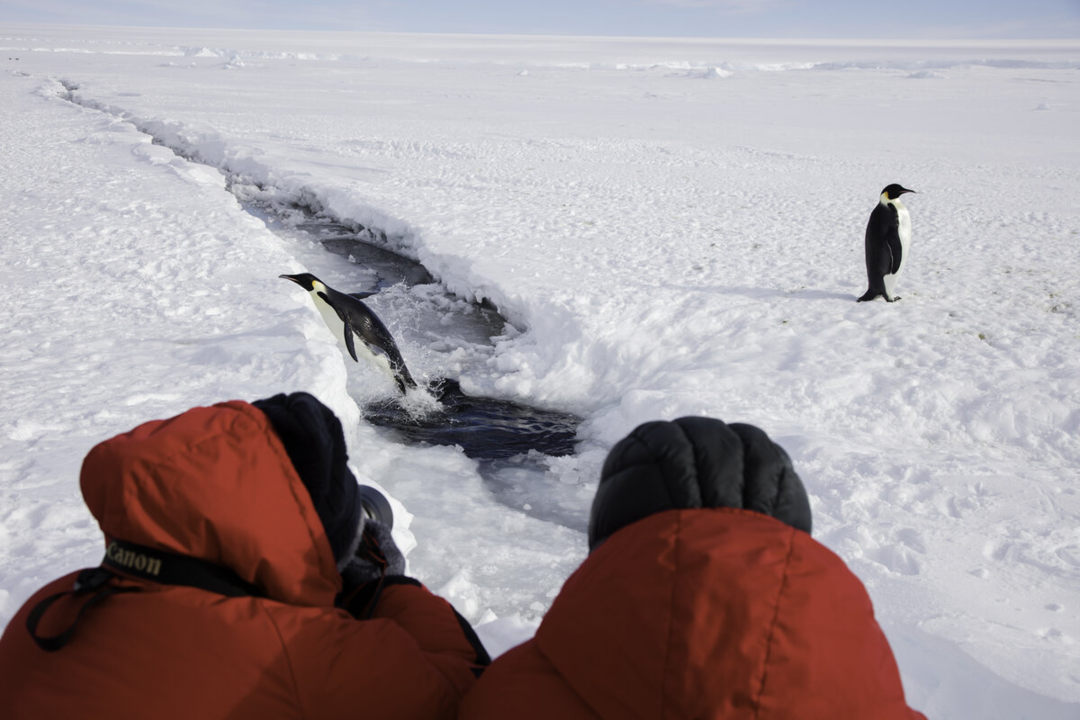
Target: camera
[{"x": 375, "y": 506}]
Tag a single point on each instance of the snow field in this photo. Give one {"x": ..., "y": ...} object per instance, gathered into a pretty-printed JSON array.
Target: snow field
[
  {"x": 127, "y": 265},
  {"x": 664, "y": 239}
]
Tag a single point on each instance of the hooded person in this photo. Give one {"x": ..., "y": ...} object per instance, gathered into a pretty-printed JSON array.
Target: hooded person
[
  {"x": 703, "y": 596},
  {"x": 229, "y": 530}
]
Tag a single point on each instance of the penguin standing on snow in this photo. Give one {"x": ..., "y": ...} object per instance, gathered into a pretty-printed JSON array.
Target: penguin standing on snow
[
  {"x": 348, "y": 316},
  {"x": 888, "y": 235}
]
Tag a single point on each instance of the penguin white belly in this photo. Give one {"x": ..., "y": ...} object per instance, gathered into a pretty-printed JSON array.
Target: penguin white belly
[
  {"x": 330, "y": 317},
  {"x": 903, "y": 230},
  {"x": 377, "y": 359}
]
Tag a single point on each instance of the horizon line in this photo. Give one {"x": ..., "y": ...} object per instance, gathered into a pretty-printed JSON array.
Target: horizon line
[{"x": 813, "y": 39}]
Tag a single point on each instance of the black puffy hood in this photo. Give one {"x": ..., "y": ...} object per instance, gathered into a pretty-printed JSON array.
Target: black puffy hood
[{"x": 695, "y": 462}]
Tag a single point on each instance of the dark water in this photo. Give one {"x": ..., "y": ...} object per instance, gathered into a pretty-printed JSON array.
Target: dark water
[
  {"x": 485, "y": 428},
  {"x": 497, "y": 432},
  {"x": 388, "y": 267}
]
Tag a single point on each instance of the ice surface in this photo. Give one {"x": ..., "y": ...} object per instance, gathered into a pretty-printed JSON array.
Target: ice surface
[{"x": 661, "y": 246}]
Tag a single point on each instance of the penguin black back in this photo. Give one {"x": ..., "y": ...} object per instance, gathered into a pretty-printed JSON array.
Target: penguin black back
[{"x": 348, "y": 317}]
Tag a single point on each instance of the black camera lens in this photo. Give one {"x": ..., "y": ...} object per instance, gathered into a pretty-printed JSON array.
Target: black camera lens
[{"x": 376, "y": 507}]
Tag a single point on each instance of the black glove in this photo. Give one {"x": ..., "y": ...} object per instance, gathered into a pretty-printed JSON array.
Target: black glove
[
  {"x": 695, "y": 462},
  {"x": 376, "y": 557}
]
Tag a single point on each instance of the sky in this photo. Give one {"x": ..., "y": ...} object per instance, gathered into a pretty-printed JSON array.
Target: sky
[{"x": 917, "y": 19}]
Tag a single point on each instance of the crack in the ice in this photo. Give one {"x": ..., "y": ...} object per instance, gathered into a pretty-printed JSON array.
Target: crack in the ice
[{"x": 486, "y": 428}]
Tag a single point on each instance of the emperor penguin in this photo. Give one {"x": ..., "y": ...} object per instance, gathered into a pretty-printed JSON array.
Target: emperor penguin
[
  {"x": 348, "y": 316},
  {"x": 888, "y": 235}
]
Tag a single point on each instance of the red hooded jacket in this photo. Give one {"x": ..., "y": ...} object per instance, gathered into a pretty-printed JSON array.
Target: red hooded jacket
[
  {"x": 216, "y": 483},
  {"x": 714, "y": 613}
]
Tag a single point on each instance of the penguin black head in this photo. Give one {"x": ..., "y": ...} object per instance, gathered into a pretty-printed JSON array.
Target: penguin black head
[
  {"x": 304, "y": 280},
  {"x": 894, "y": 191}
]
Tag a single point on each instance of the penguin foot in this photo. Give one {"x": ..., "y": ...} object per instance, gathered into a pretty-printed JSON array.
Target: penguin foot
[{"x": 871, "y": 295}]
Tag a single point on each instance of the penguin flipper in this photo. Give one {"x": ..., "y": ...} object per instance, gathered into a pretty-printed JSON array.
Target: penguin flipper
[
  {"x": 349, "y": 333},
  {"x": 896, "y": 250},
  {"x": 344, "y": 317},
  {"x": 892, "y": 239},
  {"x": 361, "y": 295}
]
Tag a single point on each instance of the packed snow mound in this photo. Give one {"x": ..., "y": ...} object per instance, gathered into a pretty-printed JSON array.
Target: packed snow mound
[
  {"x": 710, "y": 73},
  {"x": 202, "y": 52}
]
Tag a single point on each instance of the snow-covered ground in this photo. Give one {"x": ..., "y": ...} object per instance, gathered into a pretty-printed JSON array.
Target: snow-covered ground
[{"x": 672, "y": 227}]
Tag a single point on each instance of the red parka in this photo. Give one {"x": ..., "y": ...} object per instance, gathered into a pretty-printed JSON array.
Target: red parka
[
  {"x": 216, "y": 483},
  {"x": 704, "y": 613}
]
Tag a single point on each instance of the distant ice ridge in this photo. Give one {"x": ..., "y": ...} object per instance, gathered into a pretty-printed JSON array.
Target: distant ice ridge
[
  {"x": 929, "y": 65},
  {"x": 255, "y": 54},
  {"x": 926, "y": 75},
  {"x": 721, "y": 68},
  {"x": 609, "y": 53},
  {"x": 711, "y": 73}
]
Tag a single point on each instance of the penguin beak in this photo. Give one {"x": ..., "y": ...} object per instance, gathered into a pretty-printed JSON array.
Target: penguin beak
[{"x": 290, "y": 277}]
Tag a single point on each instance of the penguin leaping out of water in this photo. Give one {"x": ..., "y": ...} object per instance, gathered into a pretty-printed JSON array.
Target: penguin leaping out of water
[
  {"x": 888, "y": 235},
  {"x": 347, "y": 316}
]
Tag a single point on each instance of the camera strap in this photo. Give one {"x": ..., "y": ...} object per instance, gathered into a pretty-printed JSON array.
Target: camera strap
[{"x": 124, "y": 560}]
